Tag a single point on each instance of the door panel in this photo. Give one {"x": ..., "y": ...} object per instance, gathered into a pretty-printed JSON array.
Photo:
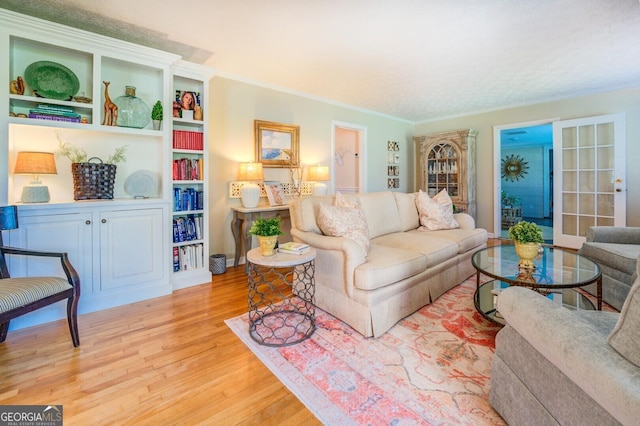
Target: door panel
[{"x": 592, "y": 187}]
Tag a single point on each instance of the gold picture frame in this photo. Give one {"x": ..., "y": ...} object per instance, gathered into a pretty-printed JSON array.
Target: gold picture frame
[{"x": 277, "y": 145}]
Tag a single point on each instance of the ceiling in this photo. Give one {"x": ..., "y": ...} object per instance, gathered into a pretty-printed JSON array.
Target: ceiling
[{"x": 417, "y": 60}]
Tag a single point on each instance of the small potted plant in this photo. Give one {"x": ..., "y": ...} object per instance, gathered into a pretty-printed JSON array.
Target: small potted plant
[
  {"x": 156, "y": 115},
  {"x": 527, "y": 237},
  {"x": 267, "y": 230}
]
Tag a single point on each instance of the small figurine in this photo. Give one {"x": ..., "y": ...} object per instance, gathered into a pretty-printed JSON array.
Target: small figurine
[
  {"x": 16, "y": 87},
  {"x": 110, "y": 109}
]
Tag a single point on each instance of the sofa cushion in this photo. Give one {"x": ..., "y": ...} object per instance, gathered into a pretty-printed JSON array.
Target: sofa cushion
[
  {"x": 625, "y": 337},
  {"x": 437, "y": 212},
  {"x": 467, "y": 239},
  {"x": 622, "y": 257},
  {"x": 387, "y": 265},
  {"x": 436, "y": 250},
  {"x": 381, "y": 212},
  {"x": 343, "y": 221},
  {"x": 408, "y": 211}
]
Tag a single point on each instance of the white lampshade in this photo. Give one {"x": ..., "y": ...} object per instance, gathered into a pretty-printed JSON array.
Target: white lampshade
[
  {"x": 317, "y": 174},
  {"x": 250, "y": 192},
  {"x": 35, "y": 163}
]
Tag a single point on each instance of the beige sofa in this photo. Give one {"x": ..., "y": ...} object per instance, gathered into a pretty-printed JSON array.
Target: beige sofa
[{"x": 404, "y": 269}]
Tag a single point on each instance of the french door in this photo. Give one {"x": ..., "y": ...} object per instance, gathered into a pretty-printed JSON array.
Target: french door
[{"x": 590, "y": 182}]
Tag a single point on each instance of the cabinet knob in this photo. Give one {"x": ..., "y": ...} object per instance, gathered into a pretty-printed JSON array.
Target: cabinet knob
[
  {"x": 88, "y": 222},
  {"x": 104, "y": 221}
]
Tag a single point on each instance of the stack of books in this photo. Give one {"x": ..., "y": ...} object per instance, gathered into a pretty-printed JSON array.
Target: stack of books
[
  {"x": 184, "y": 139},
  {"x": 54, "y": 113},
  {"x": 293, "y": 248}
]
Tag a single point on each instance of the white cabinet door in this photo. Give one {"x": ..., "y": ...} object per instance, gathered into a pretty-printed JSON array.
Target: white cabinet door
[
  {"x": 131, "y": 247},
  {"x": 70, "y": 233}
]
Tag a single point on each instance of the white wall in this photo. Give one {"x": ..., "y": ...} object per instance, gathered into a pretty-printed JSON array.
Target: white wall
[
  {"x": 622, "y": 101},
  {"x": 233, "y": 107}
]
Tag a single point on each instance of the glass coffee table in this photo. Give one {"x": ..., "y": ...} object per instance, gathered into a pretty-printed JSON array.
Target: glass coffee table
[{"x": 558, "y": 272}]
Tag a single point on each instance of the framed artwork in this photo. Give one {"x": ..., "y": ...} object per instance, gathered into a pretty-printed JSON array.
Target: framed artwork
[
  {"x": 277, "y": 145},
  {"x": 187, "y": 105},
  {"x": 275, "y": 194}
]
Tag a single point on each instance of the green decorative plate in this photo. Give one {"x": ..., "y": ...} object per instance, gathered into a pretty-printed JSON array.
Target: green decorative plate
[{"x": 51, "y": 80}]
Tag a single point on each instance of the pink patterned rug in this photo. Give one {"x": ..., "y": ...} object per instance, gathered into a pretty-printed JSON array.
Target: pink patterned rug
[{"x": 433, "y": 367}]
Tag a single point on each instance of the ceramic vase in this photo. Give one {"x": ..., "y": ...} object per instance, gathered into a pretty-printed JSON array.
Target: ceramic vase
[
  {"x": 527, "y": 252},
  {"x": 267, "y": 245}
]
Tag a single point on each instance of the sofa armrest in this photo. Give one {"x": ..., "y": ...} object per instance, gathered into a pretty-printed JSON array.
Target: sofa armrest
[
  {"x": 614, "y": 234},
  {"x": 465, "y": 220},
  {"x": 352, "y": 254},
  {"x": 576, "y": 348}
]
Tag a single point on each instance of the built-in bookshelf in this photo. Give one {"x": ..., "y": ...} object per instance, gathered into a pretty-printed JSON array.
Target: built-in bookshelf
[
  {"x": 102, "y": 237},
  {"x": 189, "y": 184}
]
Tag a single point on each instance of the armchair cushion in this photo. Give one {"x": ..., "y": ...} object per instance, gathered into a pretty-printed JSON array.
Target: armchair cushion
[{"x": 18, "y": 292}]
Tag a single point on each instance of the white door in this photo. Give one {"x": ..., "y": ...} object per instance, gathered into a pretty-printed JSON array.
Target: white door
[{"x": 590, "y": 181}]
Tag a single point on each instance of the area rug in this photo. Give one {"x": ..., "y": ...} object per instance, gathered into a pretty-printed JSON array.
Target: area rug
[{"x": 431, "y": 368}]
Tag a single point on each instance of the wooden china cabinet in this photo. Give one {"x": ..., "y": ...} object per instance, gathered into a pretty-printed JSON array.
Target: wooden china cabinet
[{"x": 447, "y": 160}]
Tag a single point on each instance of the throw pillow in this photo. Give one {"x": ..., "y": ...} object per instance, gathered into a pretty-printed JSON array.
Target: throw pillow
[
  {"x": 344, "y": 219},
  {"x": 437, "y": 212},
  {"x": 625, "y": 337}
]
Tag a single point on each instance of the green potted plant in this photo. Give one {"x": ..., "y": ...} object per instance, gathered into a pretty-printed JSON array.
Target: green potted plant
[
  {"x": 156, "y": 115},
  {"x": 267, "y": 230},
  {"x": 527, "y": 237}
]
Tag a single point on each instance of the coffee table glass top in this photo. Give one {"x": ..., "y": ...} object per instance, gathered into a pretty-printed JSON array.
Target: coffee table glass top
[{"x": 555, "y": 268}]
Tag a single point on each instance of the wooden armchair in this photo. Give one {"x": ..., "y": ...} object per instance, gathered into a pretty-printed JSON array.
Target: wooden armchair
[{"x": 19, "y": 296}]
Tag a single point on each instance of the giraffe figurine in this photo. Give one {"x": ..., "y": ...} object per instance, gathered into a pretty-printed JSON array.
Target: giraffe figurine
[{"x": 110, "y": 109}]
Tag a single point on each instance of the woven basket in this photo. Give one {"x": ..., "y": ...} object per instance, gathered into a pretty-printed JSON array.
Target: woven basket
[{"x": 93, "y": 181}]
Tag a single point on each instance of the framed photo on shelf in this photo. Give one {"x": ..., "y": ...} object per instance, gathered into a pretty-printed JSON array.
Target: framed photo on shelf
[
  {"x": 186, "y": 105},
  {"x": 275, "y": 194},
  {"x": 277, "y": 145}
]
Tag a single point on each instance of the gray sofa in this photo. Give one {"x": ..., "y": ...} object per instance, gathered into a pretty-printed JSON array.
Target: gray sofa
[
  {"x": 616, "y": 249},
  {"x": 556, "y": 366},
  {"x": 405, "y": 268}
]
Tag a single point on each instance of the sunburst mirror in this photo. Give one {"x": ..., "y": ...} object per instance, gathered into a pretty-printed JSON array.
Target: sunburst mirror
[{"x": 514, "y": 167}]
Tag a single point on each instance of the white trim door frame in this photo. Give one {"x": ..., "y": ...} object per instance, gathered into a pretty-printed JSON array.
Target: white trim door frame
[
  {"x": 497, "y": 158},
  {"x": 360, "y": 156}
]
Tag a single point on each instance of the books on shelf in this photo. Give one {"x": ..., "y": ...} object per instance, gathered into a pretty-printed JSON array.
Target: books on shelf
[
  {"x": 292, "y": 247},
  {"x": 54, "y": 113},
  {"x": 185, "y": 139},
  {"x": 187, "y": 228},
  {"x": 185, "y": 199},
  {"x": 188, "y": 257},
  {"x": 188, "y": 169}
]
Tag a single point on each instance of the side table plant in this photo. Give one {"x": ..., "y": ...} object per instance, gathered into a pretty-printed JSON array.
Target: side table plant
[{"x": 267, "y": 230}]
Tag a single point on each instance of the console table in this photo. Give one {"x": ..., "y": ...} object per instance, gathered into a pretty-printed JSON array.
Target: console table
[{"x": 243, "y": 218}]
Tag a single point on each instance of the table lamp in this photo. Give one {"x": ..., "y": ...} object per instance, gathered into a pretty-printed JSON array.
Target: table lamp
[
  {"x": 250, "y": 192},
  {"x": 317, "y": 174},
  {"x": 35, "y": 163}
]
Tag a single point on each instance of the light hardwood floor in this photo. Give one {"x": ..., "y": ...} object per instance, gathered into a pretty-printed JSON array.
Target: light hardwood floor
[{"x": 165, "y": 361}]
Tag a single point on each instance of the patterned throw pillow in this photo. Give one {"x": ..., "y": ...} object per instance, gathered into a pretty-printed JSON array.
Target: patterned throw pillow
[
  {"x": 344, "y": 219},
  {"x": 437, "y": 212}
]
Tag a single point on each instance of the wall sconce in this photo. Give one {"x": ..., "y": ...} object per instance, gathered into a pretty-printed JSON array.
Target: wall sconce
[
  {"x": 318, "y": 174},
  {"x": 250, "y": 192},
  {"x": 35, "y": 163}
]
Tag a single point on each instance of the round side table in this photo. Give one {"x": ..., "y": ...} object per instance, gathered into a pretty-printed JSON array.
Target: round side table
[{"x": 281, "y": 297}]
